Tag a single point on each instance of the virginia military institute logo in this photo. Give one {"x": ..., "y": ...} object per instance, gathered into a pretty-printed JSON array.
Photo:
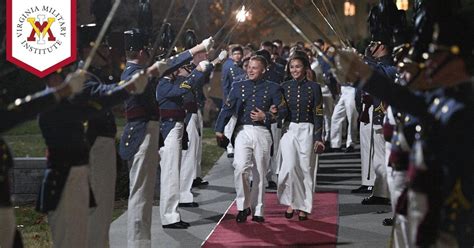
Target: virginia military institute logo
[{"x": 41, "y": 34}]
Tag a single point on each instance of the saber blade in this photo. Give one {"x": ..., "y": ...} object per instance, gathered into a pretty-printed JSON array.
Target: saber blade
[{"x": 298, "y": 30}]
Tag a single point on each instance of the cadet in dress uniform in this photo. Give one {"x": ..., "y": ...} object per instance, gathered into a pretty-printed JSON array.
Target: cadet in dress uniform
[
  {"x": 232, "y": 74},
  {"x": 372, "y": 143},
  {"x": 20, "y": 111},
  {"x": 324, "y": 78},
  {"x": 190, "y": 40},
  {"x": 101, "y": 131},
  {"x": 441, "y": 186},
  {"x": 275, "y": 73},
  {"x": 173, "y": 189},
  {"x": 250, "y": 100},
  {"x": 140, "y": 139},
  {"x": 384, "y": 36},
  {"x": 64, "y": 194},
  {"x": 190, "y": 159},
  {"x": 303, "y": 110}
]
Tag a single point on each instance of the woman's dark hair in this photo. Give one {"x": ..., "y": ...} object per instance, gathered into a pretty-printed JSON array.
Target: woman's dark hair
[{"x": 304, "y": 60}]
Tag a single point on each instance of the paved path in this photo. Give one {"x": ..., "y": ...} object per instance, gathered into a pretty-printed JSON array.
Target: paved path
[{"x": 359, "y": 226}]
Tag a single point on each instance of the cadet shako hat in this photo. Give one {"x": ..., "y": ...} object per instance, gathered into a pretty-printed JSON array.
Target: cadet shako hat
[
  {"x": 190, "y": 39},
  {"x": 167, "y": 36},
  {"x": 387, "y": 24},
  {"x": 135, "y": 40}
]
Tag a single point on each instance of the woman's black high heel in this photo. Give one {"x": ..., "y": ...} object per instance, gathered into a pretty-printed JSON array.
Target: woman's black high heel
[
  {"x": 303, "y": 217},
  {"x": 289, "y": 215}
]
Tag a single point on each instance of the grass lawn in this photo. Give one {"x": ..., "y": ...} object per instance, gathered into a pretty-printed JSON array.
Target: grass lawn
[{"x": 26, "y": 141}]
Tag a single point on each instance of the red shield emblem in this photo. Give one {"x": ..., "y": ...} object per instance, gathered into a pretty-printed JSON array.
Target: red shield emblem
[{"x": 41, "y": 34}]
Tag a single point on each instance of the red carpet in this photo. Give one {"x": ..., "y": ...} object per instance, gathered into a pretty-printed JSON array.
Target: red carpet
[{"x": 319, "y": 231}]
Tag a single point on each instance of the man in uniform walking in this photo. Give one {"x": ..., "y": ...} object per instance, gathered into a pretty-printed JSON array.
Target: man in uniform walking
[
  {"x": 140, "y": 139},
  {"x": 250, "y": 100}
]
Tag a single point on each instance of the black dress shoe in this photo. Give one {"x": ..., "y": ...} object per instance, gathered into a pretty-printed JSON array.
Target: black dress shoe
[
  {"x": 303, "y": 217},
  {"x": 271, "y": 185},
  {"x": 362, "y": 190},
  {"x": 176, "y": 225},
  {"x": 349, "y": 149},
  {"x": 203, "y": 182},
  {"x": 375, "y": 200},
  {"x": 258, "y": 219},
  {"x": 289, "y": 215},
  {"x": 334, "y": 149},
  {"x": 230, "y": 155},
  {"x": 188, "y": 205},
  {"x": 387, "y": 222},
  {"x": 242, "y": 215},
  {"x": 184, "y": 223},
  {"x": 199, "y": 182}
]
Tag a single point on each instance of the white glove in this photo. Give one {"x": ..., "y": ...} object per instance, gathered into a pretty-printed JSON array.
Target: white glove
[
  {"x": 222, "y": 56},
  {"x": 203, "y": 66},
  {"x": 75, "y": 81},
  {"x": 139, "y": 80},
  {"x": 208, "y": 43},
  {"x": 158, "y": 68}
]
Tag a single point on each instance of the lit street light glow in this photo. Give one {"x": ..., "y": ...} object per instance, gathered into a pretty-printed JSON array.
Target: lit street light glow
[{"x": 242, "y": 14}]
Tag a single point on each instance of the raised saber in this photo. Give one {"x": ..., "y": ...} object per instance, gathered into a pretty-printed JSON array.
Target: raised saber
[
  {"x": 298, "y": 30},
  {"x": 337, "y": 20},
  {"x": 316, "y": 28},
  {"x": 329, "y": 24},
  {"x": 101, "y": 35}
]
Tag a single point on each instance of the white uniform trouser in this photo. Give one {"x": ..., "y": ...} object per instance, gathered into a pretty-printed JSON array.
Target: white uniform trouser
[
  {"x": 199, "y": 148},
  {"x": 295, "y": 181},
  {"x": 345, "y": 108},
  {"x": 328, "y": 108},
  {"x": 142, "y": 182},
  {"x": 277, "y": 153},
  {"x": 7, "y": 228},
  {"x": 103, "y": 172},
  {"x": 189, "y": 161},
  {"x": 373, "y": 162},
  {"x": 275, "y": 159},
  {"x": 380, "y": 167},
  {"x": 68, "y": 221},
  {"x": 170, "y": 170},
  {"x": 397, "y": 182},
  {"x": 252, "y": 155},
  {"x": 228, "y": 129}
]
